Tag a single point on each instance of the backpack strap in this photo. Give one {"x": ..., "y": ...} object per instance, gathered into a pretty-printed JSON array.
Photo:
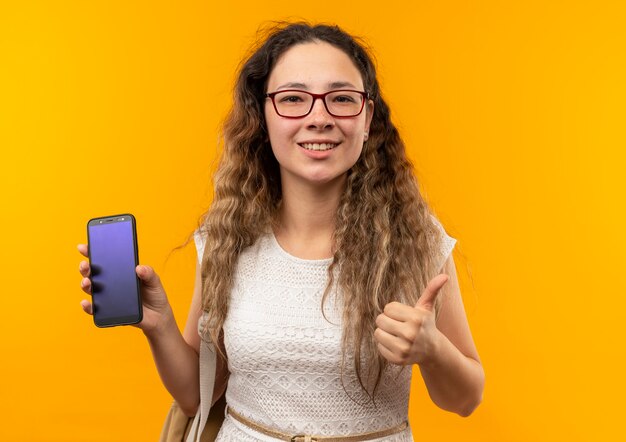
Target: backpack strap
[{"x": 207, "y": 359}]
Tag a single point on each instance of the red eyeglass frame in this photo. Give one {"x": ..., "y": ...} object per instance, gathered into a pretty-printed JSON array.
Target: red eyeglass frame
[{"x": 364, "y": 94}]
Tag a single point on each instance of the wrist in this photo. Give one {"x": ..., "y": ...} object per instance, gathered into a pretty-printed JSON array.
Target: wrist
[
  {"x": 433, "y": 356},
  {"x": 161, "y": 327}
]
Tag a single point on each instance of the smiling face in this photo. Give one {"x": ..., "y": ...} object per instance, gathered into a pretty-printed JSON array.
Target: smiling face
[{"x": 318, "y": 148}]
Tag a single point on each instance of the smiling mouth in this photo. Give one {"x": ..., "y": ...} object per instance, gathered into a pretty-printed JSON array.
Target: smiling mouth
[{"x": 318, "y": 146}]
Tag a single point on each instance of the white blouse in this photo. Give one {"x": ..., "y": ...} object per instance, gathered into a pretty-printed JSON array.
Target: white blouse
[{"x": 284, "y": 357}]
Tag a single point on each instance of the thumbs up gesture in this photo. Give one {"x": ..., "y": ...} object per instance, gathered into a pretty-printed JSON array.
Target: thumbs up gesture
[{"x": 407, "y": 335}]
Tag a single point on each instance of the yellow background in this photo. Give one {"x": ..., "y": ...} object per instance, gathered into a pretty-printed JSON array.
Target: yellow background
[{"x": 514, "y": 116}]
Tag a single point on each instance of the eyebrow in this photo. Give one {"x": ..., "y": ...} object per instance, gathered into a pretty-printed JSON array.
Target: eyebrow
[{"x": 332, "y": 85}]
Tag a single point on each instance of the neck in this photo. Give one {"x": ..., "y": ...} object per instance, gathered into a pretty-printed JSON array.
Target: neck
[{"x": 307, "y": 218}]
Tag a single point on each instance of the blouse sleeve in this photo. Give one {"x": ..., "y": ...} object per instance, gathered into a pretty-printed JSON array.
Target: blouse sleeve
[
  {"x": 200, "y": 241},
  {"x": 447, "y": 244}
]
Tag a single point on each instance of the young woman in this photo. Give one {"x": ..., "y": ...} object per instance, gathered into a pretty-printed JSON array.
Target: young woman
[{"x": 322, "y": 277}]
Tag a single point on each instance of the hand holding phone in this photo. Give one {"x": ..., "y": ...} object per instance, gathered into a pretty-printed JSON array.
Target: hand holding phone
[{"x": 142, "y": 304}]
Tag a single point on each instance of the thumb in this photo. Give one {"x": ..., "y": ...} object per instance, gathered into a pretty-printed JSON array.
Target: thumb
[
  {"x": 148, "y": 276},
  {"x": 430, "y": 293}
]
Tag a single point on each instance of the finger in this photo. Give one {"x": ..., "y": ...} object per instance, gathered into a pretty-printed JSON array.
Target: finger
[
  {"x": 83, "y": 249},
  {"x": 148, "y": 276},
  {"x": 85, "y": 284},
  {"x": 84, "y": 268},
  {"x": 391, "y": 342},
  {"x": 399, "y": 312},
  {"x": 388, "y": 354},
  {"x": 429, "y": 295},
  {"x": 390, "y": 325},
  {"x": 87, "y": 307}
]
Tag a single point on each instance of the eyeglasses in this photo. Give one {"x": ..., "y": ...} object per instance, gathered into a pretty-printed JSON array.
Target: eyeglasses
[{"x": 294, "y": 103}]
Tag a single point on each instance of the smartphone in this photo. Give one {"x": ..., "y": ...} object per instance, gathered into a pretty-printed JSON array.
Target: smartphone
[{"x": 113, "y": 257}]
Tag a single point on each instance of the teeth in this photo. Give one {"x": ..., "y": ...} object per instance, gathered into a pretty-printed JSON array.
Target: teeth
[{"x": 318, "y": 146}]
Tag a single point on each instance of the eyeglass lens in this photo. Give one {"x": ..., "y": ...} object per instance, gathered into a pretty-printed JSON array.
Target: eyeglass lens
[{"x": 338, "y": 103}]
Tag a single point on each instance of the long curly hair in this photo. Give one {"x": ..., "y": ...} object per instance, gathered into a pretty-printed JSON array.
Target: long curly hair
[{"x": 385, "y": 242}]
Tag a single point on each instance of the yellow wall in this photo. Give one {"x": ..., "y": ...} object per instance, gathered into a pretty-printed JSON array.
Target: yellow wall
[{"x": 514, "y": 114}]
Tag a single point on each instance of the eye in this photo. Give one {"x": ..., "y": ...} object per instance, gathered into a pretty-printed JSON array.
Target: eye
[
  {"x": 344, "y": 99},
  {"x": 287, "y": 98},
  {"x": 290, "y": 99}
]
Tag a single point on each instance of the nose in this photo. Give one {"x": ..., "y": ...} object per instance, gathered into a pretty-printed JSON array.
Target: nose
[{"x": 319, "y": 116}]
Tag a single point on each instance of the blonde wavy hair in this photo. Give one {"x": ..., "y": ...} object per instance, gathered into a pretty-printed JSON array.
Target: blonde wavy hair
[{"x": 386, "y": 242}]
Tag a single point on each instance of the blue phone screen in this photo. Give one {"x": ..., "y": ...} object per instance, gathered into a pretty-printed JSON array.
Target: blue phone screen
[{"x": 113, "y": 278}]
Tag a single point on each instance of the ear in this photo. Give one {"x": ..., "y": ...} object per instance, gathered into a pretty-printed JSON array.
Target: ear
[{"x": 369, "y": 113}]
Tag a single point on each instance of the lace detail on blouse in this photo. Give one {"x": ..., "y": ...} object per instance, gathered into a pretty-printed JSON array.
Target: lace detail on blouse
[{"x": 284, "y": 357}]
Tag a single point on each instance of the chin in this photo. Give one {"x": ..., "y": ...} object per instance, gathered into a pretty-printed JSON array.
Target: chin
[{"x": 326, "y": 179}]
